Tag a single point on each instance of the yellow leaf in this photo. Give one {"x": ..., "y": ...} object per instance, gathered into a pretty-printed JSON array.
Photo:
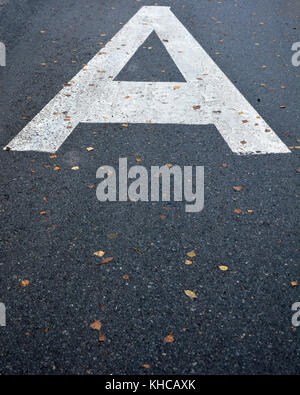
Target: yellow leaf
[
  {"x": 125, "y": 125},
  {"x": 56, "y": 168},
  {"x": 75, "y": 168},
  {"x": 176, "y": 87},
  {"x": 187, "y": 262},
  {"x": 146, "y": 366},
  {"x": 190, "y": 294},
  {"x": 191, "y": 254},
  {"x": 99, "y": 253},
  {"x": 90, "y": 149},
  {"x": 223, "y": 268},
  {"x": 294, "y": 283}
]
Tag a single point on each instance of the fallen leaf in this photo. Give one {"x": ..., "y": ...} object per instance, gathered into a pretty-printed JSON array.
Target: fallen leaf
[
  {"x": 224, "y": 165},
  {"x": 112, "y": 235},
  {"x": 294, "y": 283},
  {"x": 106, "y": 260},
  {"x": 168, "y": 165},
  {"x": 42, "y": 212},
  {"x": 125, "y": 125},
  {"x": 125, "y": 276},
  {"x": 146, "y": 366},
  {"x": 90, "y": 149},
  {"x": 44, "y": 199},
  {"x": 238, "y": 188},
  {"x": 245, "y": 121},
  {"x": 101, "y": 338},
  {"x": 101, "y": 307},
  {"x": 75, "y": 168},
  {"x": 24, "y": 283},
  {"x": 169, "y": 338},
  {"x": 188, "y": 262},
  {"x": 250, "y": 211},
  {"x": 191, "y": 254},
  {"x": 56, "y": 168},
  {"x": 298, "y": 170},
  {"x": 223, "y": 268},
  {"x": 53, "y": 156},
  {"x": 196, "y": 107},
  {"x": 91, "y": 186},
  {"x": 190, "y": 294},
  {"x": 282, "y": 106},
  {"x": 243, "y": 142},
  {"x": 163, "y": 216},
  {"x": 237, "y": 211},
  {"x": 96, "y": 325},
  {"x": 176, "y": 87},
  {"x": 138, "y": 159},
  {"x": 264, "y": 67},
  {"x": 99, "y": 253}
]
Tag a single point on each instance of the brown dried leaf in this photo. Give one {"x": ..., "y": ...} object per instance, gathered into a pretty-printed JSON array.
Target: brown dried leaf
[
  {"x": 169, "y": 338},
  {"x": 237, "y": 211},
  {"x": 106, "y": 260},
  {"x": 238, "y": 188},
  {"x": 24, "y": 283},
  {"x": 101, "y": 338},
  {"x": 96, "y": 325}
]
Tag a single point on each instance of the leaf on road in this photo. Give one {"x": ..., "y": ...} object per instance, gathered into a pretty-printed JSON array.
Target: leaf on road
[
  {"x": 238, "y": 188},
  {"x": 191, "y": 254},
  {"x": 146, "y": 366},
  {"x": 176, "y": 87},
  {"x": 112, "y": 235},
  {"x": 196, "y": 107},
  {"x": 24, "y": 283},
  {"x": 99, "y": 253},
  {"x": 223, "y": 268},
  {"x": 42, "y": 212},
  {"x": 294, "y": 283},
  {"x": 237, "y": 211},
  {"x": 96, "y": 325},
  {"x": 169, "y": 338},
  {"x": 125, "y": 125},
  {"x": 101, "y": 338},
  {"x": 56, "y": 168},
  {"x": 188, "y": 262},
  {"x": 53, "y": 156},
  {"x": 90, "y": 149},
  {"x": 125, "y": 276},
  {"x": 190, "y": 294},
  {"x": 105, "y": 260},
  {"x": 75, "y": 168}
]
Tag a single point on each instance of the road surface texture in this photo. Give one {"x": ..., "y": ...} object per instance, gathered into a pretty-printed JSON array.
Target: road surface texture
[{"x": 52, "y": 222}]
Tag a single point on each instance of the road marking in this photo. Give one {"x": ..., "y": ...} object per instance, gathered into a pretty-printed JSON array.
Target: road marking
[{"x": 207, "y": 96}]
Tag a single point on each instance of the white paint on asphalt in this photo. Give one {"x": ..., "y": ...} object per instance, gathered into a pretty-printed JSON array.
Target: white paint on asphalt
[{"x": 207, "y": 96}]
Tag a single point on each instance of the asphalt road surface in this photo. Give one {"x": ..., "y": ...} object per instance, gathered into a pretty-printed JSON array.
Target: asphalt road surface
[{"x": 52, "y": 222}]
